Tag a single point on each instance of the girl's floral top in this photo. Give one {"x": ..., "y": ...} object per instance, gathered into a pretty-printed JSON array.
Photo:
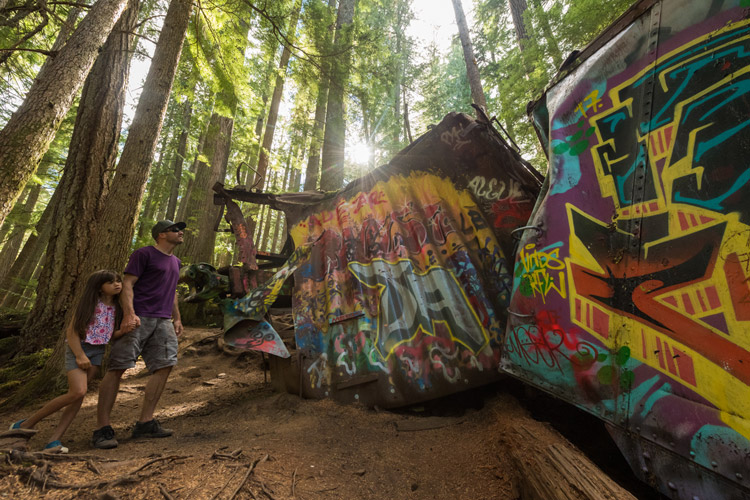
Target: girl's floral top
[{"x": 102, "y": 325}]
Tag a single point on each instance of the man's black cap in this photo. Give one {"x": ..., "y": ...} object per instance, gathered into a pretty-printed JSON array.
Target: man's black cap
[{"x": 163, "y": 225}]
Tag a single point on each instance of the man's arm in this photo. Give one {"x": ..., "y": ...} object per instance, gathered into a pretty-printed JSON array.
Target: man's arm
[
  {"x": 126, "y": 301},
  {"x": 176, "y": 317}
]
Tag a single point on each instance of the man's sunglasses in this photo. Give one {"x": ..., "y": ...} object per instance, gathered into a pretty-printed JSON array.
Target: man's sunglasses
[{"x": 173, "y": 230}]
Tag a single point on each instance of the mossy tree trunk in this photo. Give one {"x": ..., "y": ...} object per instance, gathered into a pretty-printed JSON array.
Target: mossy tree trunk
[
  {"x": 91, "y": 156},
  {"x": 111, "y": 244}
]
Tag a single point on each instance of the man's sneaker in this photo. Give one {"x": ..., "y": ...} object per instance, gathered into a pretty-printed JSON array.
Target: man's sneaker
[
  {"x": 150, "y": 429},
  {"x": 104, "y": 438}
]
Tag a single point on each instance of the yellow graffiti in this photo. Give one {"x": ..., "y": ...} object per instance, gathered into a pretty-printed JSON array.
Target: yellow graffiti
[
  {"x": 591, "y": 101},
  {"x": 432, "y": 279},
  {"x": 336, "y": 293},
  {"x": 659, "y": 142},
  {"x": 666, "y": 353},
  {"x": 536, "y": 270}
]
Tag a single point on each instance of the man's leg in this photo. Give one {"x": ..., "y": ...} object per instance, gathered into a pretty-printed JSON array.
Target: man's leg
[
  {"x": 160, "y": 355},
  {"x": 154, "y": 387},
  {"x": 108, "y": 390}
]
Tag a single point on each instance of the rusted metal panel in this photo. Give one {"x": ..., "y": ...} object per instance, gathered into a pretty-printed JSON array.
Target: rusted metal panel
[
  {"x": 630, "y": 296},
  {"x": 403, "y": 298}
]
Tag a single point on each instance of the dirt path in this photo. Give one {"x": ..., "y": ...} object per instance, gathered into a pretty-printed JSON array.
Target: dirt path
[{"x": 225, "y": 418}]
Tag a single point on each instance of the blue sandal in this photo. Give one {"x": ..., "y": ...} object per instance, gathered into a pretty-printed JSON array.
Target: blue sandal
[
  {"x": 17, "y": 425},
  {"x": 55, "y": 447}
]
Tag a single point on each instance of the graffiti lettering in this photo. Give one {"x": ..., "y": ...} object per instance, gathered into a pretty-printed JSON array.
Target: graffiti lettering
[
  {"x": 363, "y": 199},
  {"x": 412, "y": 301},
  {"x": 541, "y": 346},
  {"x": 591, "y": 101},
  {"x": 495, "y": 189},
  {"x": 536, "y": 273},
  {"x": 319, "y": 372},
  {"x": 453, "y": 139}
]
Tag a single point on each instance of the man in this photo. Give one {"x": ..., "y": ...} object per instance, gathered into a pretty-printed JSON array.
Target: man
[{"x": 149, "y": 300}]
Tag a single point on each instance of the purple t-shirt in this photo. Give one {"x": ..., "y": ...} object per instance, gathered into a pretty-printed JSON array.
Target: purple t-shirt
[{"x": 153, "y": 293}]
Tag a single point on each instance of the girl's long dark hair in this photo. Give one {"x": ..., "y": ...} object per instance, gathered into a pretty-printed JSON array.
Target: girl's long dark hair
[{"x": 90, "y": 298}]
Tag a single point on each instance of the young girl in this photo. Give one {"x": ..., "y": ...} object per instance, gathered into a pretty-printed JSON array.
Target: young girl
[{"x": 92, "y": 327}]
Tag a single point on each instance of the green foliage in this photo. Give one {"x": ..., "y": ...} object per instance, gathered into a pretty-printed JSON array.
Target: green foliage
[
  {"x": 30, "y": 29},
  {"x": 444, "y": 87},
  {"x": 512, "y": 76}
]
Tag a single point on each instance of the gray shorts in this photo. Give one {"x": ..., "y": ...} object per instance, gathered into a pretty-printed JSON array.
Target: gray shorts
[
  {"x": 95, "y": 353},
  {"x": 155, "y": 340}
]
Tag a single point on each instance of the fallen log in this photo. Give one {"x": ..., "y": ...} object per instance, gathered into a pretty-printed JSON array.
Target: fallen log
[{"x": 549, "y": 466}]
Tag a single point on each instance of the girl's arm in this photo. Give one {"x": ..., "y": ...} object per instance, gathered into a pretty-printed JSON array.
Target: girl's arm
[
  {"x": 74, "y": 342},
  {"x": 121, "y": 331}
]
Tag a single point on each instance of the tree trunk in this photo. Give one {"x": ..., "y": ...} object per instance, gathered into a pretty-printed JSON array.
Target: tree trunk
[
  {"x": 13, "y": 244},
  {"x": 185, "y": 202},
  {"x": 27, "y": 294},
  {"x": 334, "y": 139},
  {"x": 312, "y": 173},
  {"x": 14, "y": 283},
  {"x": 253, "y": 156},
  {"x": 297, "y": 181},
  {"x": 284, "y": 188},
  {"x": 30, "y": 130},
  {"x": 517, "y": 10},
  {"x": 201, "y": 213},
  {"x": 398, "y": 28},
  {"x": 155, "y": 182},
  {"x": 472, "y": 71},
  {"x": 549, "y": 37},
  {"x": 179, "y": 159},
  {"x": 273, "y": 112},
  {"x": 91, "y": 156},
  {"x": 111, "y": 245},
  {"x": 15, "y": 213},
  {"x": 270, "y": 216},
  {"x": 18, "y": 280},
  {"x": 263, "y": 238},
  {"x": 407, "y": 126},
  {"x": 259, "y": 226}
]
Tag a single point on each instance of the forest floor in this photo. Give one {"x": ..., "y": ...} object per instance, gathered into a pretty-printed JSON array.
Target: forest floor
[{"x": 235, "y": 438}]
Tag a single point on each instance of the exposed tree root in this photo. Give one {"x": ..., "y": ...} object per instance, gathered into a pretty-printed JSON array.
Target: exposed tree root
[{"x": 42, "y": 475}]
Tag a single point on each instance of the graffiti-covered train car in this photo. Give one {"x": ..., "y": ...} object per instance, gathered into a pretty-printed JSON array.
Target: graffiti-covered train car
[
  {"x": 631, "y": 294},
  {"x": 403, "y": 296}
]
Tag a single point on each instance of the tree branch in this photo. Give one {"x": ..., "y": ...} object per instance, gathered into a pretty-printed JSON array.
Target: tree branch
[
  {"x": 39, "y": 27},
  {"x": 39, "y": 51},
  {"x": 72, "y": 4}
]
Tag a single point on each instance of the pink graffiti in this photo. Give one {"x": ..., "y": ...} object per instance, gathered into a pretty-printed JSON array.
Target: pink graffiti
[{"x": 542, "y": 341}]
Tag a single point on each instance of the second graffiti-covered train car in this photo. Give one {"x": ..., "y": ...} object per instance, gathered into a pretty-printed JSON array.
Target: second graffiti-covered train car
[{"x": 631, "y": 295}]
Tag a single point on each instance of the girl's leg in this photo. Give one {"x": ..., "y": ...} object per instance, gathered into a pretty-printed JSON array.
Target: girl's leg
[
  {"x": 80, "y": 380},
  {"x": 76, "y": 390}
]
